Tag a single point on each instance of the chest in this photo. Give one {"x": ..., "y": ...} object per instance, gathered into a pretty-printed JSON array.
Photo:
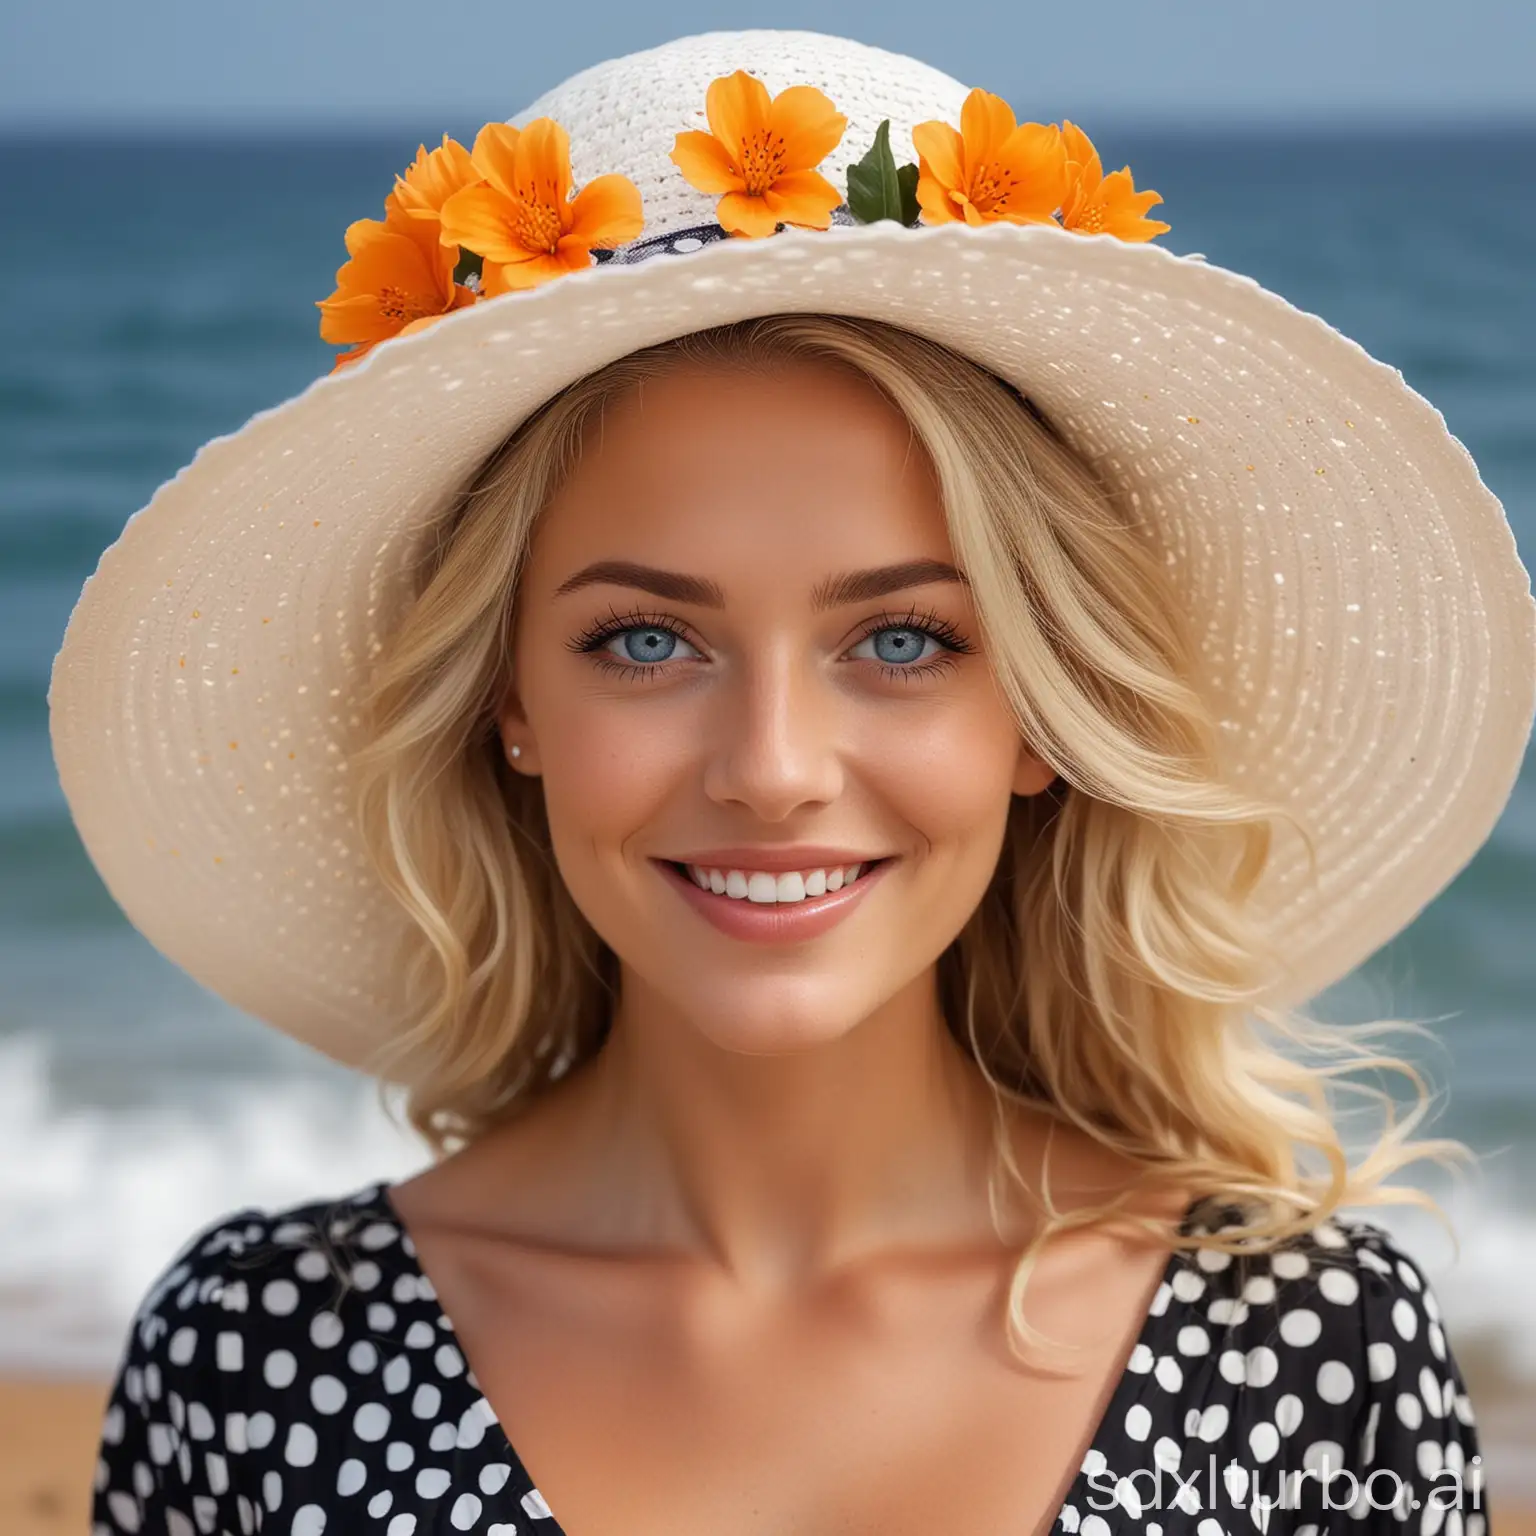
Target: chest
[{"x": 654, "y": 1405}]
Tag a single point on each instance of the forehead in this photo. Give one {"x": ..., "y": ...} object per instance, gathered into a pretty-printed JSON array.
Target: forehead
[{"x": 747, "y": 476}]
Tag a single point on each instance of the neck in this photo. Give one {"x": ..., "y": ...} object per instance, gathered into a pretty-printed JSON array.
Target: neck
[{"x": 780, "y": 1167}]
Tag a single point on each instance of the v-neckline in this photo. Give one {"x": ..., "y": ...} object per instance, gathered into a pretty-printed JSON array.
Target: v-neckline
[{"x": 1113, "y": 1400}]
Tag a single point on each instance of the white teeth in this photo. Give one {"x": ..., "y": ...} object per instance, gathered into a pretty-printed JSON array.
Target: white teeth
[{"x": 766, "y": 888}]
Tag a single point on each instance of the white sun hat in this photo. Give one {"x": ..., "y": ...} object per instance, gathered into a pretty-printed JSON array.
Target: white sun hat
[{"x": 1369, "y": 635}]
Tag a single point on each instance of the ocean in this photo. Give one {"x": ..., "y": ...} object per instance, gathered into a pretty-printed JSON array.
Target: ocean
[{"x": 162, "y": 290}]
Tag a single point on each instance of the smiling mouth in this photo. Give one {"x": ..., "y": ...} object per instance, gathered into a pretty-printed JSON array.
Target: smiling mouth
[{"x": 783, "y": 888}]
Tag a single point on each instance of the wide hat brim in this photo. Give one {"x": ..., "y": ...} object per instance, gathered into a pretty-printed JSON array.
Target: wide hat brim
[{"x": 1368, "y": 631}]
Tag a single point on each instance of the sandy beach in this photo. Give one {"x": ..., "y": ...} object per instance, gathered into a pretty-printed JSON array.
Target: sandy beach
[{"x": 48, "y": 1449}]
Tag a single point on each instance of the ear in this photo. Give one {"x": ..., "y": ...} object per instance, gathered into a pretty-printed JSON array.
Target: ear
[
  {"x": 1032, "y": 774},
  {"x": 512, "y": 725}
]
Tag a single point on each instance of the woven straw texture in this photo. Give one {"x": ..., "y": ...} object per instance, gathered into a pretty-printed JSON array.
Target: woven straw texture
[{"x": 1369, "y": 633}]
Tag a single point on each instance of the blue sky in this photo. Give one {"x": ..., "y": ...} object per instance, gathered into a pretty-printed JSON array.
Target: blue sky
[{"x": 92, "y": 62}]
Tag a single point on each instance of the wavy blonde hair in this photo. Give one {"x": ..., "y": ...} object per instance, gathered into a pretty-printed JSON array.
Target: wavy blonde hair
[{"x": 1110, "y": 972}]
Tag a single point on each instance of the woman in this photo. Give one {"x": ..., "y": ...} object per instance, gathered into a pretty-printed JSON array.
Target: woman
[{"x": 772, "y": 792}]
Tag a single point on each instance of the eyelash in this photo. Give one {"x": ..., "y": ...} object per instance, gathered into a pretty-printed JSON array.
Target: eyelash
[{"x": 922, "y": 621}]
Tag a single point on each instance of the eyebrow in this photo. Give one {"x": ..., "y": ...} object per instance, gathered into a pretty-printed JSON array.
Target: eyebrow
[{"x": 834, "y": 592}]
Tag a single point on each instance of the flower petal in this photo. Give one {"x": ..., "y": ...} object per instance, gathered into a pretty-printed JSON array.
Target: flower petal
[
  {"x": 737, "y": 106},
  {"x": 434, "y": 178},
  {"x": 1082, "y": 154},
  {"x": 483, "y": 218},
  {"x": 933, "y": 197},
  {"x": 537, "y": 267},
  {"x": 543, "y": 162},
  {"x": 742, "y": 214},
  {"x": 809, "y": 125},
  {"x": 985, "y": 123},
  {"x": 495, "y": 156},
  {"x": 706, "y": 163},
  {"x": 805, "y": 198},
  {"x": 940, "y": 153},
  {"x": 606, "y": 212}
]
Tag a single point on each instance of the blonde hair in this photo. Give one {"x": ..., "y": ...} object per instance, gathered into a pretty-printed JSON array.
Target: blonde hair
[{"x": 1108, "y": 975}]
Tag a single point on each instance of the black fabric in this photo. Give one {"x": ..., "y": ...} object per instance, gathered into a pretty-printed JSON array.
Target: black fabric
[{"x": 292, "y": 1373}]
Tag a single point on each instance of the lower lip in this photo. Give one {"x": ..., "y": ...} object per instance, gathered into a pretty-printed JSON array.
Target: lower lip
[{"x": 773, "y": 922}]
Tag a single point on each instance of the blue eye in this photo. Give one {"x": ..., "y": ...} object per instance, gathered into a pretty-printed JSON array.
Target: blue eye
[
  {"x": 644, "y": 643},
  {"x": 901, "y": 646}
]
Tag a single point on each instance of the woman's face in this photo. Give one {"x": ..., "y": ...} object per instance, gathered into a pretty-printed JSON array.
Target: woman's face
[{"x": 741, "y": 646}]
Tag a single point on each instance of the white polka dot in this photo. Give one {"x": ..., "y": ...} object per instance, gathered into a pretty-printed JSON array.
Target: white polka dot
[
  {"x": 280, "y": 1297},
  {"x": 280, "y": 1368},
  {"x": 426, "y": 1401},
  {"x": 1127, "y": 1498},
  {"x": 1070, "y": 1518},
  {"x": 1188, "y": 1286},
  {"x": 1213, "y": 1422},
  {"x": 310, "y": 1265},
  {"x": 432, "y": 1483},
  {"x": 260, "y": 1429},
  {"x": 352, "y": 1476},
  {"x": 162, "y": 1444},
  {"x": 1409, "y": 1275},
  {"x": 229, "y": 1352},
  {"x": 1329, "y": 1236},
  {"x": 686, "y": 243},
  {"x": 494, "y": 1477},
  {"x": 200, "y": 1423},
  {"x": 1233, "y": 1366},
  {"x": 419, "y": 1335},
  {"x": 1160, "y": 1300},
  {"x": 402, "y": 1525},
  {"x": 290, "y": 1232},
  {"x": 272, "y": 1491},
  {"x": 1323, "y": 1458},
  {"x": 1429, "y": 1390},
  {"x": 1430, "y": 1459},
  {"x": 325, "y": 1330},
  {"x": 1264, "y": 1441},
  {"x": 1167, "y": 1454},
  {"x": 378, "y": 1235},
  {"x": 381, "y": 1316},
  {"x": 1263, "y": 1365},
  {"x": 1410, "y": 1411},
  {"x": 1382, "y": 1361},
  {"x": 1289, "y": 1265},
  {"x": 1209, "y": 1527},
  {"x": 1138, "y": 1421},
  {"x": 534, "y": 1505},
  {"x": 466, "y": 1510},
  {"x": 1301, "y": 1326},
  {"x": 125, "y": 1510},
  {"x": 1404, "y": 1318},
  {"x": 1335, "y": 1381},
  {"x": 399, "y": 1456},
  {"x": 1227, "y": 1312},
  {"x": 397, "y": 1374},
  {"x": 182, "y": 1346},
  {"x": 366, "y": 1275},
  {"x": 1260, "y": 1291},
  {"x": 473, "y": 1423},
  {"x": 1212, "y": 1260},
  {"x": 1436, "y": 1336},
  {"x": 1094, "y": 1525},
  {"x": 371, "y": 1421},
  {"x": 442, "y": 1438},
  {"x": 301, "y": 1447},
  {"x": 1339, "y": 1286},
  {"x": 404, "y": 1288},
  {"x": 378, "y": 1505},
  {"x": 1169, "y": 1374},
  {"x": 327, "y": 1394},
  {"x": 1141, "y": 1360},
  {"x": 449, "y": 1361},
  {"x": 308, "y": 1520},
  {"x": 362, "y": 1357},
  {"x": 1094, "y": 1463},
  {"x": 1194, "y": 1340}
]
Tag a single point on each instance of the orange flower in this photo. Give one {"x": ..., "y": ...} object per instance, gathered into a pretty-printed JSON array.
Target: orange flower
[
  {"x": 994, "y": 169},
  {"x": 523, "y": 220},
  {"x": 761, "y": 153},
  {"x": 398, "y": 279},
  {"x": 1100, "y": 204},
  {"x": 433, "y": 179}
]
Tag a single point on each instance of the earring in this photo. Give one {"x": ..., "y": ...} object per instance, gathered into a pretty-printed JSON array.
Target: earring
[{"x": 517, "y": 751}]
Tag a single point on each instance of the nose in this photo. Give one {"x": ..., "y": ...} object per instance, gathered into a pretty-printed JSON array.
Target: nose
[{"x": 775, "y": 744}]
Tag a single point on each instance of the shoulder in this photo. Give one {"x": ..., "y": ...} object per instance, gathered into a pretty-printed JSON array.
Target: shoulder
[{"x": 255, "y": 1279}]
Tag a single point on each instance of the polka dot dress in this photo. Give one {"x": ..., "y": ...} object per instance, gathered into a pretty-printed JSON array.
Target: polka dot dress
[{"x": 292, "y": 1373}]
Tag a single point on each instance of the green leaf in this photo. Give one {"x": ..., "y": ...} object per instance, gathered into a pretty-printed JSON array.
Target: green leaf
[
  {"x": 877, "y": 189},
  {"x": 469, "y": 265}
]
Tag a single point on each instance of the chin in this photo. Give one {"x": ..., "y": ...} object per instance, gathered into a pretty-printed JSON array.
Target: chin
[{"x": 764, "y": 1015}]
